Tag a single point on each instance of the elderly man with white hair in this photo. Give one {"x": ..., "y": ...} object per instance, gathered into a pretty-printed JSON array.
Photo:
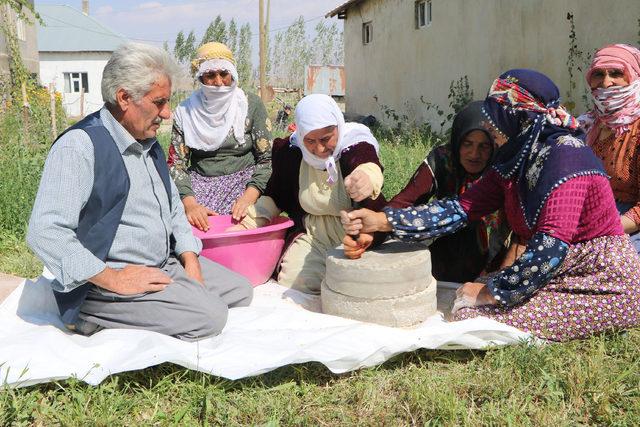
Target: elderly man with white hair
[{"x": 109, "y": 224}]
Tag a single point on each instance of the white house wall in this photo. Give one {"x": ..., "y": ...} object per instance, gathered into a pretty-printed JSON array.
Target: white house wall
[
  {"x": 54, "y": 64},
  {"x": 476, "y": 38}
]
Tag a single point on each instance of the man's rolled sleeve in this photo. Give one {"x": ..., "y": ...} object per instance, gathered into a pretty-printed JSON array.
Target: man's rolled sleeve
[
  {"x": 77, "y": 268},
  {"x": 185, "y": 240}
]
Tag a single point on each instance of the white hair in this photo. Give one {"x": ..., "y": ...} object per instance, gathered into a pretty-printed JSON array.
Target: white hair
[{"x": 135, "y": 67}]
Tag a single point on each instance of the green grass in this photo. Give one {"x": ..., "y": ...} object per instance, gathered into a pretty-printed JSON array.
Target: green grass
[{"x": 591, "y": 382}]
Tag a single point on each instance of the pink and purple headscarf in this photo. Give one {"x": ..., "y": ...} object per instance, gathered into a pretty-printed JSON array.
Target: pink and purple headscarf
[{"x": 617, "y": 106}]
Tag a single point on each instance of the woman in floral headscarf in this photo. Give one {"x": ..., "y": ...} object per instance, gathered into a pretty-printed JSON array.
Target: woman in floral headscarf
[
  {"x": 579, "y": 272},
  {"x": 321, "y": 169},
  {"x": 614, "y": 131},
  {"x": 220, "y": 153}
]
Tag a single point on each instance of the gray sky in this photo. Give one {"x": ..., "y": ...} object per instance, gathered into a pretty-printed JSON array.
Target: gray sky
[{"x": 157, "y": 21}]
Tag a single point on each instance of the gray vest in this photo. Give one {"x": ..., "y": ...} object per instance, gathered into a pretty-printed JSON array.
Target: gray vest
[{"x": 100, "y": 217}]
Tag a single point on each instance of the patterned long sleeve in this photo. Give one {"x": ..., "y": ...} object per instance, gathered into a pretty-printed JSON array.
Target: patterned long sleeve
[
  {"x": 178, "y": 161},
  {"x": 262, "y": 142},
  {"x": 559, "y": 223},
  {"x": 435, "y": 219},
  {"x": 535, "y": 267}
]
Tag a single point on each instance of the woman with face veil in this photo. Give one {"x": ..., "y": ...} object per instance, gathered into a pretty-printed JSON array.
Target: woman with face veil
[{"x": 220, "y": 153}]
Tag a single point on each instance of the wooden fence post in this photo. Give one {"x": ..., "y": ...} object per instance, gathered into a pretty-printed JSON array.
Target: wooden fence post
[
  {"x": 54, "y": 125},
  {"x": 82, "y": 102},
  {"x": 25, "y": 113}
]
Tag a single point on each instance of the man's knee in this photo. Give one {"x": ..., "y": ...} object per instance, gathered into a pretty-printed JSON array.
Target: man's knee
[{"x": 206, "y": 317}]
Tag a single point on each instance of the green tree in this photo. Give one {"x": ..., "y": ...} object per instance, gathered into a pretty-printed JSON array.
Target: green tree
[
  {"x": 216, "y": 32},
  {"x": 232, "y": 37},
  {"x": 327, "y": 44},
  {"x": 178, "y": 48},
  {"x": 243, "y": 59},
  {"x": 276, "y": 59},
  {"x": 189, "y": 47},
  {"x": 297, "y": 52}
]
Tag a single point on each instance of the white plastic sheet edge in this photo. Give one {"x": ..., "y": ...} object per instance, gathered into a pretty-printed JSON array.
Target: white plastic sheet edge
[{"x": 275, "y": 331}]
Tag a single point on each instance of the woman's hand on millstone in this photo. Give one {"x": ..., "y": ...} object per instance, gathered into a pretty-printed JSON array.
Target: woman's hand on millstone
[
  {"x": 358, "y": 186},
  {"x": 472, "y": 294},
  {"x": 197, "y": 215},
  {"x": 364, "y": 221},
  {"x": 354, "y": 249}
]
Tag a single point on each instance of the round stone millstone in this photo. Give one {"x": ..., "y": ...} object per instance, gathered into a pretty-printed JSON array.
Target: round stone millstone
[
  {"x": 393, "y": 269},
  {"x": 404, "y": 311},
  {"x": 391, "y": 285}
]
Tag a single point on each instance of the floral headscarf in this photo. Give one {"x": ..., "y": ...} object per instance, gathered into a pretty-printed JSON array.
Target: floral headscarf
[{"x": 545, "y": 147}]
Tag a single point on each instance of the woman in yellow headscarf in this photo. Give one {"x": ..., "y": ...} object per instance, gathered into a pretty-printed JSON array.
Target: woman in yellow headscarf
[{"x": 220, "y": 153}]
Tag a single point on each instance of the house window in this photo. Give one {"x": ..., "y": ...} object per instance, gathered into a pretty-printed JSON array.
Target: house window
[
  {"x": 367, "y": 32},
  {"x": 423, "y": 13},
  {"x": 74, "y": 81},
  {"x": 21, "y": 30}
]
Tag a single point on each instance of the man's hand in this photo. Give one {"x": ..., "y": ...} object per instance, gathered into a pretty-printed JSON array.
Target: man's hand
[
  {"x": 191, "y": 265},
  {"x": 240, "y": 206},
  {"x": 358, "y": 186},
  {"x": 472, "y": 294},
  {"x": 131, "y": 280},
  {"x": 354, "y": 249},
  {"x": 197, "y": 214},
  {"x": 364, "y": 221}
]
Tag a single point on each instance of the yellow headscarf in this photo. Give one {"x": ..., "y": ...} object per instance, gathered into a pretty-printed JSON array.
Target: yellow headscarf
[{"x": 211, "y": 50}]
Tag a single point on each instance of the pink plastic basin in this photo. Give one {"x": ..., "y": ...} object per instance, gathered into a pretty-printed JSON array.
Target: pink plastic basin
[{"x": 252, "y": 253}]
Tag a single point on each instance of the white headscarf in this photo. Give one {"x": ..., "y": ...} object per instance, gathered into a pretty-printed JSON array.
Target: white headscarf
[
  {"x": 318, "y": 111},
  {"x": 209, "y": 114}
]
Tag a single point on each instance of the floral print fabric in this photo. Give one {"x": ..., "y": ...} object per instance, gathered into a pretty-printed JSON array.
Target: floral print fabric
[
  {"x": 435, "y": 219},
  {"x": 531, "y": 271},
  {"x": 595, "y": 290}
]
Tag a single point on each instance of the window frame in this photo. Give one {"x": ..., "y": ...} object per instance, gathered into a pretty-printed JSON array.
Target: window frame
[
  {"x": 424, "y": 8},
  {"x": 367, "y": 32},
  {"x": 71, "y": 78}
]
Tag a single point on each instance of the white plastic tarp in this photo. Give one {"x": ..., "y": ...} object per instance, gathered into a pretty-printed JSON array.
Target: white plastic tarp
[{"x": 280, "y": 327}]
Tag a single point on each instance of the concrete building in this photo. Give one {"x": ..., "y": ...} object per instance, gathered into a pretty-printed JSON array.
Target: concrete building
[
  {"x": 27, "y": 39},
  {"x": 406, "y": 52},
  {"x": 74, "y": 48}
]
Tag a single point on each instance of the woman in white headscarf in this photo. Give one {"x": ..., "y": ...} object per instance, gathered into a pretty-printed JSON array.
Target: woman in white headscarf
[
  {"x": 324, "y": 167},
  {"x": 220, "y": 153}
]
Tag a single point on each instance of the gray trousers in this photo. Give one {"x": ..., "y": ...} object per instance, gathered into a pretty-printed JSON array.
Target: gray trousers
[{"x": 185, "y": 309}]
